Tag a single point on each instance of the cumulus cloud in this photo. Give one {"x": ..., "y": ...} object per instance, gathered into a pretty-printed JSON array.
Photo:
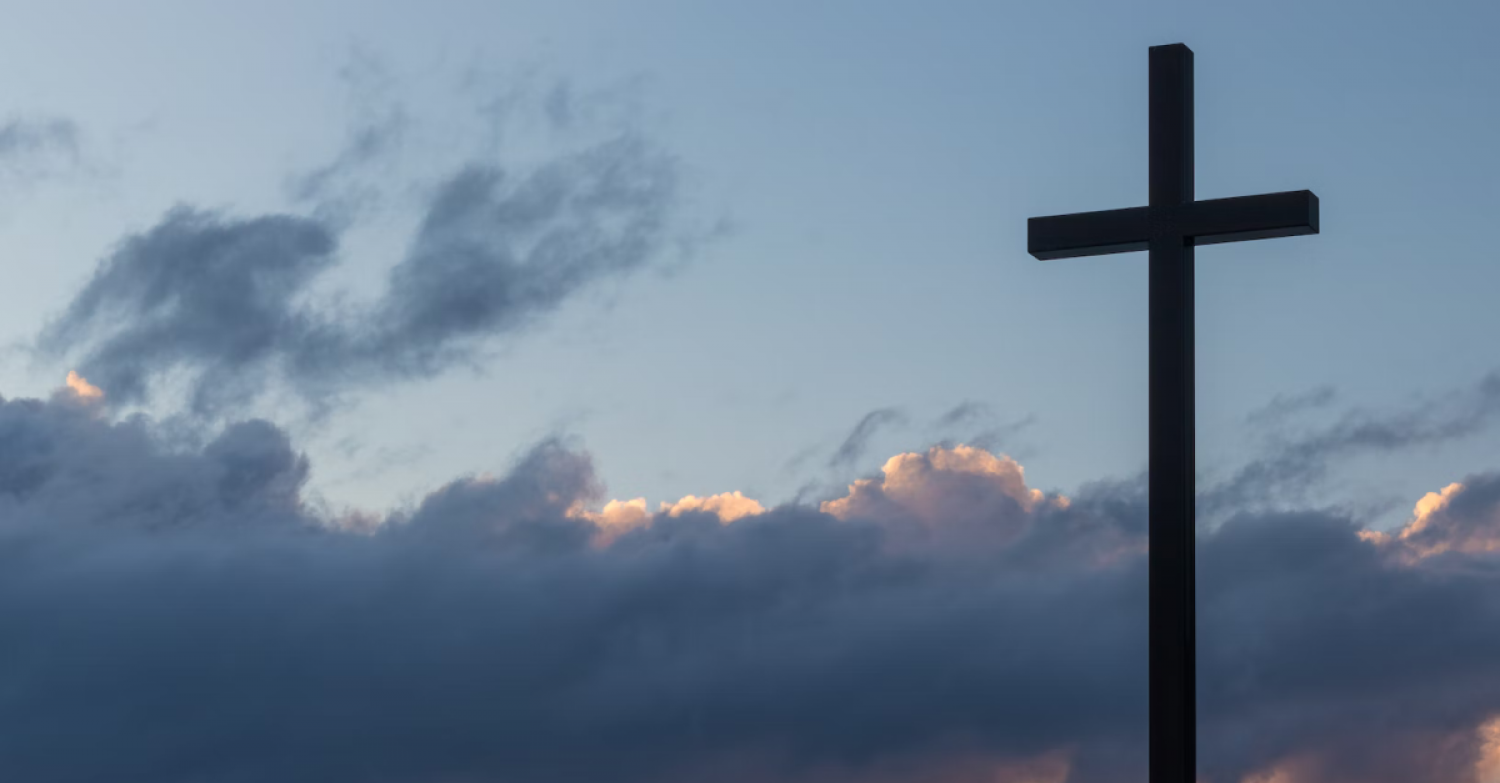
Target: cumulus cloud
[
  {"x": 64, "y": 466},
  {"x": 81, "y": 388},
  {"x": 176, "y": 607},
  {"x": 622, "y": 516},
  {"x": 727, "y": 506},
  {"x": 223, "y": 304},
  {"x": 1461, "y": 517},
  {"x": 962, "y": 490}
]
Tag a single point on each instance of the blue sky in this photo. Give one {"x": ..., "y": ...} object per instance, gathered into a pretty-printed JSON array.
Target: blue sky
[
  {"x": 877, "y": 164},
  {"x": 394, "y": 310}
]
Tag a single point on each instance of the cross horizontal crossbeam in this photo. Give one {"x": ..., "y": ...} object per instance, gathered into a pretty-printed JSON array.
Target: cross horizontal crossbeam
[{"x": 1210, "y": 222}]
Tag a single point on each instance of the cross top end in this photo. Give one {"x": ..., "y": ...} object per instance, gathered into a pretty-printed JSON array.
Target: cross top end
[{"x": 1172, "y": 211}]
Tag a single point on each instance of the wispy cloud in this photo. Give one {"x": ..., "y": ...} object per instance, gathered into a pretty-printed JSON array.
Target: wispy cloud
[
  {"x": 222, "y": 303},
  {"x": 1296, "y": 459},
  {"x": 32, "y": 147},
  {"x": 38, "y": 148},
  {"x": 976, "y": 424},
  {"x": 858, "y": 441},
  {"x": 342, "y": 189}
]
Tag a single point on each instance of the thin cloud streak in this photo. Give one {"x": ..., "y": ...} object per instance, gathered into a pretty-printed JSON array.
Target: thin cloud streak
[
  {"x": 1294, "y": 462},
  {"x": 858, "y": 440}
]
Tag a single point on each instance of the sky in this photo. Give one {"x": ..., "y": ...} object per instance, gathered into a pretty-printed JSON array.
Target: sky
[{"x": 662, "y": 391}]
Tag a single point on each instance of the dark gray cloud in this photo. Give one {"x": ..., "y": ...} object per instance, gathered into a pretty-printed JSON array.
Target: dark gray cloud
[
  {"x": 222, "y": 304},
  {"x": 202, "y": 292},
  {"x": 1337, "y": 656},
  {"x": 63, "y": 469},
  {"x": 175, "y": 608},
  {"x": 493, "y": 253}
]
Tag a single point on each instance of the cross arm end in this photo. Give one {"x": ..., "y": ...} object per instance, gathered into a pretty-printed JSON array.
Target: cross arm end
[
  {"x": 1088, "y": 233},
  {"x": 1290, "y": 214}
]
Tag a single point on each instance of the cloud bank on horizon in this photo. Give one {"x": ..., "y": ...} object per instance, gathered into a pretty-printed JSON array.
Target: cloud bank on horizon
[{"x": 181, "y": 611}]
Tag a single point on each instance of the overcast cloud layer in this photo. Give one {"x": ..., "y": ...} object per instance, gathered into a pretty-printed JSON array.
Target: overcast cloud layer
[{"x": 174, "y": 612}]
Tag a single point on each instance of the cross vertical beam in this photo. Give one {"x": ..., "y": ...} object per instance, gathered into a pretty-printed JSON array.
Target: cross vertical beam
[
  {"x": 1169, "y": 227},
  {"x": 1173, "y": 743}
]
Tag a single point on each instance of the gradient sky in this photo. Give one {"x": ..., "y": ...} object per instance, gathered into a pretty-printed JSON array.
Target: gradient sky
[
  {"x": 877, "y": 164},
  {"x": 841, "y": 274}
]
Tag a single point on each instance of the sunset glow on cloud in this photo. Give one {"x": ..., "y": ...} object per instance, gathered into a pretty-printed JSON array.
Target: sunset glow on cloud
[
  {"x": 82, "y": 388},
  {"x": 1488, "y": 768},
  {"x": 727, "y": 506},
  {"x": 971, "y": 617},
  {"x": 920, "y": 485},
  {"x": 909, "y": 480},
  {"x": 618, "y": 517},
  {"x": 1441, "y": 523}
]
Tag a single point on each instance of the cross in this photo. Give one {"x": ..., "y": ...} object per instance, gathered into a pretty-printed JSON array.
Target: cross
[{"x": 1169, "y": 228}]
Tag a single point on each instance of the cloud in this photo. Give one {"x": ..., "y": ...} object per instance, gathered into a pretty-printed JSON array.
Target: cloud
[
  {"x": 727, "y": 506},
  {"x": 478, "y": 634},
  {"x": 1295, "y": 461},
  {"x": 964, "y": 414},
  {"x": 65, "y": 467},
  {"x": 347, "y": 186},
  {"x": 1285, "y": 406},
  {"x": 945, "y": 489},
  {"x": 858, "y": 440},
  {"x": 1327, "y": 657},
  {"x": 225, "y": 308},
  {"x": 221, "y": 303},
  {"x": 619, "y": 517},
  {"x": 975, "y": 421},
  {"x": 35, "y": 148},
  {"x": 1462, "y": 517},
  {"x": 81, "y": 388},
  {"x": 175, "y": 606},
  {"x": 18, "y": 136},
  {"x": 200, "y": 292}
]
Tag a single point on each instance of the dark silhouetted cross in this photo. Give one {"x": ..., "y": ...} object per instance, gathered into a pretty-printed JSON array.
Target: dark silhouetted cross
[{"x": 1169, "y": 228}]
